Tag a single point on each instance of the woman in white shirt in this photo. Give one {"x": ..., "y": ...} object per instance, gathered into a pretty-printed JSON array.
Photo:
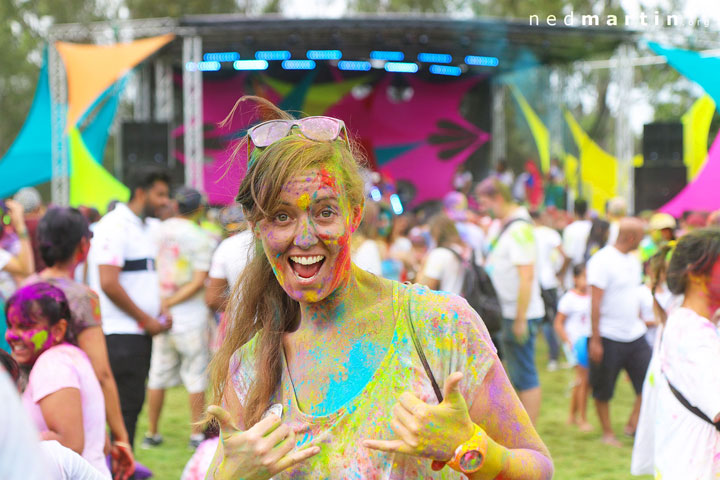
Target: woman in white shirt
[
  {"x": 687, "y": 444},
  {"x": 443, "y": 268}
]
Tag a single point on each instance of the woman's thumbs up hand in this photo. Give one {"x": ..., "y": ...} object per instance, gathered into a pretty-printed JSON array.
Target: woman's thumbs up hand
[{"x": 430, "y": 431}]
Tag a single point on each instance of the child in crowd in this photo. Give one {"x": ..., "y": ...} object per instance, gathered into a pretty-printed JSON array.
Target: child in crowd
[
  {"x": 63, "y": 395},
  {"x": 572, "y": 325}
]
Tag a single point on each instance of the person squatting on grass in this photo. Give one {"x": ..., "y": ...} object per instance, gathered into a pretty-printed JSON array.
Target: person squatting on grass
[{"x": 319, "y": 374}]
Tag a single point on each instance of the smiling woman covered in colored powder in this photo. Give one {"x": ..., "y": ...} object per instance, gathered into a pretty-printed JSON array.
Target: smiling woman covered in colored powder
[{"x": 331, "y": 372}]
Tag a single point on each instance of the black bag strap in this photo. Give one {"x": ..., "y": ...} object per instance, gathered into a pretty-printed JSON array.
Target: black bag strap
[
  {"x": 419, "y": 349},
  {"x": 691, "y": 408}
]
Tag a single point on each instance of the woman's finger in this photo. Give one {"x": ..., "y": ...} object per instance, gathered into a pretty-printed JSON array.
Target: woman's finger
[
  {"x": 265, "y": 426},
  {"x": 223, "y": 418},
  {"x": 281, "y": 449},
  {"x": 387, "y": 446},
  {"x": 405, "y": 435},
  {"x": 406, "y": 418},
  {"x": 272, "y": 439},
  {"x": 412, "y": 404},
  {"x": 294, "y": 458}
]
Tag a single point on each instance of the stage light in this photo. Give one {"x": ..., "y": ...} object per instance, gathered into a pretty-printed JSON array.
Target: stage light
[
  {"x": 445, "y": 70},
  {"x": 221, "y": 57},
  {"x": 482, "y": 61},
  {"x": 250, "y": 65},
  {"x": 354, "y": 65},
  {"x": 298, "y": 64},
  {"x": 272, "y": 55},
  {"x": 202, "y": 66},
  {"x": 324, "y": 54},
  {"x": 405, "y": 67},
  {"x": 375, "y": 194},
  {"x": 435, "y": 57},
  {"x": 389, "y": 56},
  {"x": 396, "y": 204}
]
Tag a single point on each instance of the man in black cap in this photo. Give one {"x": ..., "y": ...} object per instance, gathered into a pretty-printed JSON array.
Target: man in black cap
[{"x": 181, "y": 355}]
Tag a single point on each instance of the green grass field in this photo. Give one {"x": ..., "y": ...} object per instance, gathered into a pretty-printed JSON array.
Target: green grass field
[{"x": 577, "y": 455}]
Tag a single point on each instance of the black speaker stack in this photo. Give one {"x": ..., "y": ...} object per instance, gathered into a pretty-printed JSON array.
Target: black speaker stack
[{"x": 663, "y": 174}]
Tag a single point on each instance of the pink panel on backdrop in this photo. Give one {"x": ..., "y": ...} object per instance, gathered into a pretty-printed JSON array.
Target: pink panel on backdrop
[
  {"x": 375, "y": 121},
  {"x": 701, "y": 194}
]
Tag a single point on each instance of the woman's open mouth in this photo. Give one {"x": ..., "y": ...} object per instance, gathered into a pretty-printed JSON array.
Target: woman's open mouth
[{"x": 307, "y": 266}]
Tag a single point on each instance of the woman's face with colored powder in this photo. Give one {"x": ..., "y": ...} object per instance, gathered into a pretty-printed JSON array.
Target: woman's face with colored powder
[
  {"x": 29, "y": 337},
  {"x": 307, "y": 239}
]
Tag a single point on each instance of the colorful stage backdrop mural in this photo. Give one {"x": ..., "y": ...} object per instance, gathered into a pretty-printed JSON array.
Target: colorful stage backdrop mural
[{"x": 412, "y": 131}]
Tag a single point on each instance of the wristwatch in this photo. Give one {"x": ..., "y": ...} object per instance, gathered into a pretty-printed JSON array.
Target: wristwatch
[{"x": 470, "y": 456}]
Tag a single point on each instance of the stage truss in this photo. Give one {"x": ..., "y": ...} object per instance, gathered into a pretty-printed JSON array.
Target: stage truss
[{"x": 158, "y": 103}]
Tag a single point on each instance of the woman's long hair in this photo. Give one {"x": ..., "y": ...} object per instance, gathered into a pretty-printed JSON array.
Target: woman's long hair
[{"x": 258, "y": 305}]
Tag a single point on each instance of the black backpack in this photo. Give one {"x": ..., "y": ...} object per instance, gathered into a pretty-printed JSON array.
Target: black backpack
[{"x": 478, "y": 290}]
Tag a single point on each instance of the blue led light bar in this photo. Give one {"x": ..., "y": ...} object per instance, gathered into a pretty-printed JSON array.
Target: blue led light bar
[
  {"x": 445, "y": 70},
  {"x": 482, "y": 61},
  {"x": 298, "y": 64},
  {"x": 272, "y": 55},
  {"x": 221, "y": 57},
  {"x": 191, "y": 67},
  {"x": 375, "y": 194},
  {"x": 404, "y": 67},
  {"x": 208, "y": 66},
  {"x": 389, "y": 56},
  {"x": 250, "y": 65},
  {"x": 396, "y": 204},
  {"x": 354, "y": 65},
  {"x": 435, "y": 57},
  {"x": 324, "y": 54}
]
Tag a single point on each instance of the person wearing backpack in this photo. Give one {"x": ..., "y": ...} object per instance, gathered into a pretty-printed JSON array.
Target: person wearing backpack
[
  {"x": 443, "y": 267},
  {"x": 510, "y": 262}
]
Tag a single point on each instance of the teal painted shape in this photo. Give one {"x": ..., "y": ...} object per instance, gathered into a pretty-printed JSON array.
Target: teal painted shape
[
  {"x": 385, "y": 155},
  {"x": 704, "y": 71},
  {"x": 101, "y": 114},
  {"x": 294, "y": 101},
  {"x": 28, "y": 161}
]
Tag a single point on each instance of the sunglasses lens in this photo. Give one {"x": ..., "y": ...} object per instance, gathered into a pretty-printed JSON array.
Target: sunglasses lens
[
  {"x": 322, "y": 129},
  {"x": 270, "y": 132}
]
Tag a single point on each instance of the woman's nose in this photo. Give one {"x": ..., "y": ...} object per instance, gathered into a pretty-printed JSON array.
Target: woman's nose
[{"x": 306, "y": 235}]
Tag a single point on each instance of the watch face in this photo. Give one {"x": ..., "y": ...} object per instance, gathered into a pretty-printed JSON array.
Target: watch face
[{"x": 471, "y": 461}]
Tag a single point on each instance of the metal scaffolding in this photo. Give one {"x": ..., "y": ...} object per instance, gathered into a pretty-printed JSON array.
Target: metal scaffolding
[
  {"x": 623, "y": 71},
  {"x": 193, "y": 112},
  {"x": 60, "y": 182}
]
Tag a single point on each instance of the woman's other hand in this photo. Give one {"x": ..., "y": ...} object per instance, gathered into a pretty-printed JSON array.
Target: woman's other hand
[
  {"x": 430, "y": 431},
  {"x": 258, "y": 453}
]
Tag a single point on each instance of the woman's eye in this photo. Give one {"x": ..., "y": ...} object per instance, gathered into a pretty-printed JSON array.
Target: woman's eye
[
  {"x": 282, "y": 217},
  {"x": 327, "y": 213}
]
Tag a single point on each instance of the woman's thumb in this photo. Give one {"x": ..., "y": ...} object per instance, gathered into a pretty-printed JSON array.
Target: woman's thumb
[
  {"x": 223, "y": 418},
  {"x": 451, "y": 389}
]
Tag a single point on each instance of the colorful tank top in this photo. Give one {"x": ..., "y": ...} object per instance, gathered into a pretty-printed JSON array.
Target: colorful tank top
[{"x": 453, "y": 338}]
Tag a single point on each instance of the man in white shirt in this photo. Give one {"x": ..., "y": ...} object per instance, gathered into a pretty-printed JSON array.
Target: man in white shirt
[
  {"x": 511, "y": 265},
  {"x": 182, "y": 354},
  {"x": 618, "y": 333},
  {"x": 122, "y": 271}
]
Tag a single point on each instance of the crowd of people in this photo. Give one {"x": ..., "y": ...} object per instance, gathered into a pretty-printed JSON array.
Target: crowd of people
[{"x": 313, "y": 299}]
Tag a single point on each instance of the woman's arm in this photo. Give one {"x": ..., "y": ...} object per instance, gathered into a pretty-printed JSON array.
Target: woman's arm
[
  {"x": 498, "y": 410},
  {"x": 24, "y": 263},
  {"x": 92, "y": 342},
  {"x": 62, "y": 411}
]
